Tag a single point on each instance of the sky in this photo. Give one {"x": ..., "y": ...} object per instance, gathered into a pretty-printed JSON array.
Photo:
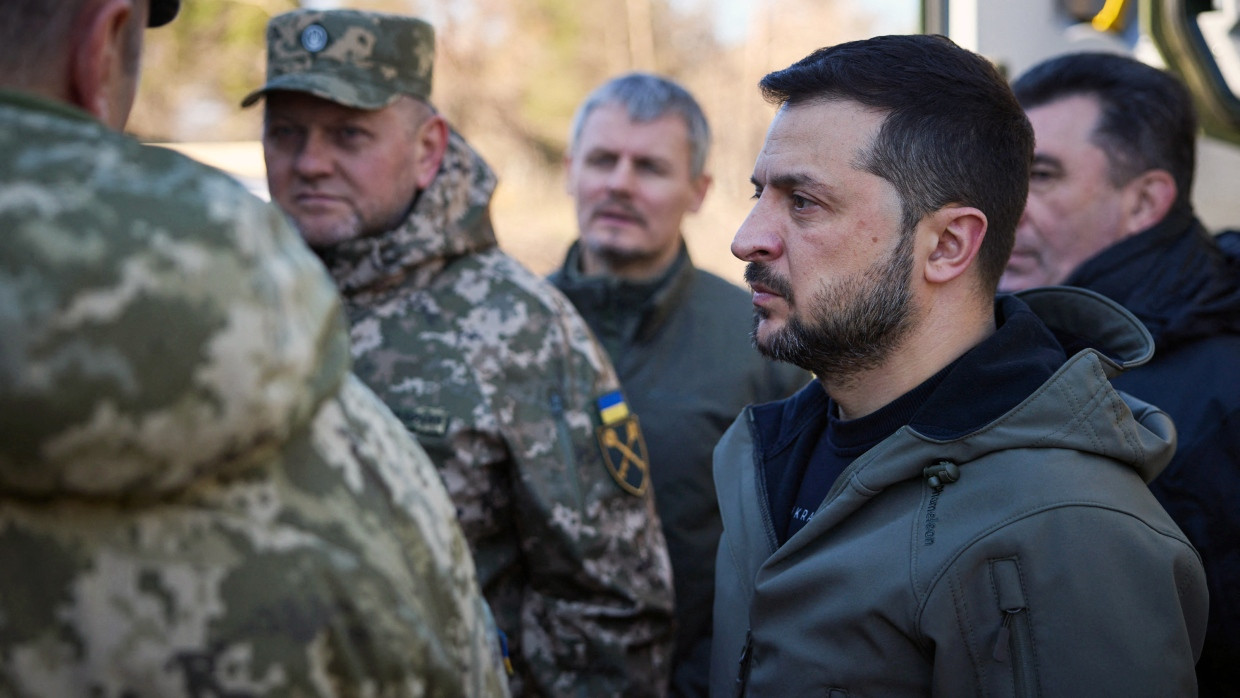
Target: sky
[{"x": 893, "y": 16}]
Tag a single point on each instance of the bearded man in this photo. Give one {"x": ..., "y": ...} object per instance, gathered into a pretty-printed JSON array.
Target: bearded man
[{"x": 913, "y": 522}]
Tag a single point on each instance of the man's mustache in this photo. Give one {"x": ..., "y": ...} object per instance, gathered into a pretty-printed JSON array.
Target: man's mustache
[
  {"x": 758, "y": 273},
  {"x": 612, "y": 205}
]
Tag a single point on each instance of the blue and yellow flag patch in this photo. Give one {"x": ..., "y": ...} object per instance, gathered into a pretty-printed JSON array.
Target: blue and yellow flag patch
[
  {"x": 622, "y": 444},
  {"x": 612, "y": 408}
]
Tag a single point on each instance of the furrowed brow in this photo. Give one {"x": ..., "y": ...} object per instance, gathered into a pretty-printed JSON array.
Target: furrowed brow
[{"x": 796, "y": 180}]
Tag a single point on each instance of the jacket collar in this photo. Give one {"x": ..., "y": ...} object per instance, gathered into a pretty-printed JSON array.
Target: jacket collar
[
  {"x": 29, "y": 101},
  {"x": 449, "y": 218},
  {"x": 1172, "y": 276},
  {"x": 650, "y": 302},
  {"x": 1039, "y": 327}
]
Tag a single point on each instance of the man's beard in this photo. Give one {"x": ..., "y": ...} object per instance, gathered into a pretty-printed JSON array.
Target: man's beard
[
  {"x": 615, "y": 255},
  {"x": 852, "y": 324},
  {"x": 321, "y": 236},
  {"x": 349, "y": 227},
  {"x": 616, "y": 258}
]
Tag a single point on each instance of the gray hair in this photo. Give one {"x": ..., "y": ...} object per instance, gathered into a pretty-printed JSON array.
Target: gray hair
[{"x": 648, "y": 97}]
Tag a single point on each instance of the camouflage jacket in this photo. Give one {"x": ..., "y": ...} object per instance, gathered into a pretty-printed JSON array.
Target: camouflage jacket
[
  {"x": 501, "y": 380},
  {"x": 196, "y": 498}
]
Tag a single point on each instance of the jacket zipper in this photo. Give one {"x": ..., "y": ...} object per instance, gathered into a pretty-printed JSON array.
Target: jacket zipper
[
  {"x": 1014, "y": 641},
  {"x": 556, "y": 402},
  {"x": 768, "y": 524},
  {"x": 742, "y": 672}
]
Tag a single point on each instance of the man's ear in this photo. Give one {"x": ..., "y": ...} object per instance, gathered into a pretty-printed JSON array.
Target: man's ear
[
  {"x": 432, "y": 142},
  {"x": 700, "y": 186},
  {"x": 1147, "y": 199},
  {"x": 96, "y": 57},
  {"x": 956, "y": 233},
  {"x": 568, "y": 172}
]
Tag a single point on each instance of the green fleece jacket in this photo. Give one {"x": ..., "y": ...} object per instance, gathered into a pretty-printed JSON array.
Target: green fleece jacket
[{"x": 1019, "y": 556}]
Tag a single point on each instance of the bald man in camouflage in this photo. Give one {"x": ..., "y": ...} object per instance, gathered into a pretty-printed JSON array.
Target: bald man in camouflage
[
  {"x": 486, "y": 363},
  {"x": 196, "y": 498}
]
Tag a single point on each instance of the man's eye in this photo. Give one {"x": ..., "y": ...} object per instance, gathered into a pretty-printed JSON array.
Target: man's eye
[
  {"x": 798, "y": 202},
  {"x": 600, "y": 161},
  {"x": 1037, "y": 175}
]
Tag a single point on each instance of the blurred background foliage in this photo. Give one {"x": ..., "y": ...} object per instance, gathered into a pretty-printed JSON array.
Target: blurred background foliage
[{"x": 510, "y": 73}]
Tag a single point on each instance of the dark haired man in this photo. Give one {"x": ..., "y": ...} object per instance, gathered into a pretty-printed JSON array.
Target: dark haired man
[
  {"x": 1110, "y": 210},
  {"x": 957, "y": 505}
]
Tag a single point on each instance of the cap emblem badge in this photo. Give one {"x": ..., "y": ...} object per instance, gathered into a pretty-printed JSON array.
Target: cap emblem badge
[{"x": 314, "y": 38}]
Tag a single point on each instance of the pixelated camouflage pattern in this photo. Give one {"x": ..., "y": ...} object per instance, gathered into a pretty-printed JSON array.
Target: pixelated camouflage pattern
[
  {"x": 498, "y": 376},
  {"x": 367, "y": 59},
  {"x": 196, "y": 498}
]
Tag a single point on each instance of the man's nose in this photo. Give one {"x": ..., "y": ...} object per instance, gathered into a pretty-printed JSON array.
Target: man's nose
[
  {"x": 314, "y": 157},
  {"x": 620, "y": 179},
  {"x": 757, "y": 240}
]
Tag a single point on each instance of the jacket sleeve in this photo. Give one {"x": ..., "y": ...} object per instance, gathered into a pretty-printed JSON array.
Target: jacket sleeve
[
  {"x": 448, "y": 622},
  {"x": 597, "y": 619},
  {"x": 329, "y": 566},
  {"x": 1075, "y": 600}
]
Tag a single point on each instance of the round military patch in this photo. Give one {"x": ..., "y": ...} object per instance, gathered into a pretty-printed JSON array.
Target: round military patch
[{"x": 314, "y": 38}]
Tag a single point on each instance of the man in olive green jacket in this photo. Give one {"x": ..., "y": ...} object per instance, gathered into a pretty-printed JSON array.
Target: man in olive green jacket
[{"x": 957, "y": 505}]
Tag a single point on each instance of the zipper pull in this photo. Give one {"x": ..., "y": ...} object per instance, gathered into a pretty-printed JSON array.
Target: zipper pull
[
  {"x": 1003, "y": 643},
  {"x": 941, "y": 473},
  {"x": 742, "y": 673}
]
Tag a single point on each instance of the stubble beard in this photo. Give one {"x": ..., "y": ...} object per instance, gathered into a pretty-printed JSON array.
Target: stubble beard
[
  {"x": 614, "y": 251},
  {"x": 853, "y": 324},
  {"x": 348, "y": 227},
  {"x": 331, "y": 234},
  {"x": 619, "y": 258}
]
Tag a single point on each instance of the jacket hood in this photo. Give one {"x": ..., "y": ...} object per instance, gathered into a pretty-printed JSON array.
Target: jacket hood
[
  {"x": 159, "y": 323},
  {"x": 1174, "y": 277},
  {"x": 1076, "y": 408},
  {"x": 450, "y": 218}
]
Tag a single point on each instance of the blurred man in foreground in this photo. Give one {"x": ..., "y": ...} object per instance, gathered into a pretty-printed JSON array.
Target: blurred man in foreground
[
  {"x": 196, "y": 498},
  {"x": 487, "y": 364},
  {"x": 1110, "y": 210}
]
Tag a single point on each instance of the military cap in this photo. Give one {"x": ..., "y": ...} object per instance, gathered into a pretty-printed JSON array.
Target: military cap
[
  {"x": 162, "y": 12},
  {"x": 359, "y": 59}
]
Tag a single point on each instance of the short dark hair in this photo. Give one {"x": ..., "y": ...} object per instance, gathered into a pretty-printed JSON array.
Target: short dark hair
[
  {"x": 953, "y": 132},
  {"x": 1148, "y": 121},
  {"x": 34, "y": 34}
]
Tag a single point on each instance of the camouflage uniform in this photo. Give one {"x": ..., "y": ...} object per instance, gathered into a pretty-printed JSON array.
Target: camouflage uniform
[
  {"x": 196, "y": 498},
  {"x": 501, "y": 380}
]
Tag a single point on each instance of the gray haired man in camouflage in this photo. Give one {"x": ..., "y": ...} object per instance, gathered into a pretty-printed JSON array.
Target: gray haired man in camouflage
[
  {"x": 196, "y": 498},
  {"x": 487, "y": 364}
]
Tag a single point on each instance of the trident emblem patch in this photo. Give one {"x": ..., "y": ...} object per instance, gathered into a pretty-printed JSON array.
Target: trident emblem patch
[{"x": 622, "y": 444}]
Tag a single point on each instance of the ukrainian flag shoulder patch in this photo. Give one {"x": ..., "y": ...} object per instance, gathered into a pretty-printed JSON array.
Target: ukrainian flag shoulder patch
[
  {"x": 623, "y": 447},
  {"x": 612, "y": 408}
]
